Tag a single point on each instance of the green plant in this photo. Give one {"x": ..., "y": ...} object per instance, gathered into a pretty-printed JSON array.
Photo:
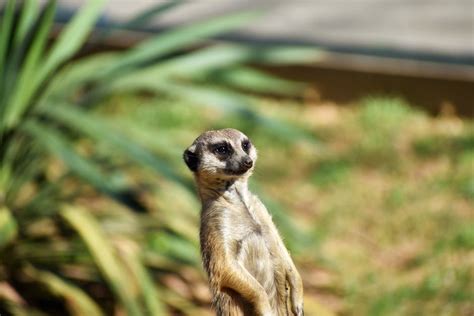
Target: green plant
[
  {"x": 383, "y": 119},
  {"x": 56, "y": 147}
]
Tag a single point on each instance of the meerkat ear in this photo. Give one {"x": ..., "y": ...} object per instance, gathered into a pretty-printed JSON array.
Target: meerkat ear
[{"x": 191, "y": 158}]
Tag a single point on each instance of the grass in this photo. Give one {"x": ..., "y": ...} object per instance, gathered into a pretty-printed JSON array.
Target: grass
[
  {"x": 84, "y": 227},
  {"x": 384, "y": 198}
]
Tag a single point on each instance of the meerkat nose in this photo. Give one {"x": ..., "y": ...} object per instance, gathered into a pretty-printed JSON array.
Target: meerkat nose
[{"x": 248, "y": 162}]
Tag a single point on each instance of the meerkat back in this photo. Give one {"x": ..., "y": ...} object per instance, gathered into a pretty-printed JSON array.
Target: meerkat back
[{"x": 250, "y": 271}]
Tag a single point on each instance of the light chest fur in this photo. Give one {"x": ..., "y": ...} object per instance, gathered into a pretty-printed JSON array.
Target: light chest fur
[{"x": 240, "y": 220}]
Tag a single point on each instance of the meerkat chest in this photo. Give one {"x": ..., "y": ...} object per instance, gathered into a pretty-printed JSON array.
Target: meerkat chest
[
  {"x": 242, "y": 223},
  {"x": 244, "y": 218},
  {"x": 249, "y": 229},
  {"x": 254, "y": 248}
]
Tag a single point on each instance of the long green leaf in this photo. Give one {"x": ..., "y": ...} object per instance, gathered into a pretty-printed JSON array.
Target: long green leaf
[
  {"x": 98, "y": 129},
  {"x": 27, "y": 82},
  {"x": 251, "y": 80},
  {"x": 78, "y": 302},
  {"x": 21, "y": 43},
  {"x": 284, "y": 55},
  {"x": 29, "y": 12},
  {"x": 149, "y": 13},
  {"x": 217, "y": 57},
  {"x": 58, "y": 146},
  {"x": 8, "y": 227},
  {"x": 176, "y": 39},
  {"x": 9, "y": 159},
  {"x": 75, "y": 75},
  {"x": 213, "y": 57},
  {"x": 196, "y": 62},
  {"x": 25, "y": 164},
  {"x": 206, "y": 61},
  {"x": 142, "y": 18},
  {"x": 72, "y": 37},
  {"x": 69, "y": 41},
  {"x": 7, "y": 21},
  {"x": 132, "y": 258},
  {"x": 104, "y": 255},
  {"x": 228, "y": 101},
  {"x": 236, "y": 103}
]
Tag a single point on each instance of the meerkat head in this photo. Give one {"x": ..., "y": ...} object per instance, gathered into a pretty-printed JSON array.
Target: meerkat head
[{"x": 225, "y": 154}]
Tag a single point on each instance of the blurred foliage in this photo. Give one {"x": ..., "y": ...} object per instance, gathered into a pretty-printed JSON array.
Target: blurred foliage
[
  {"x": 97, "y": 211},
  {"x": 78, "y": 234}
]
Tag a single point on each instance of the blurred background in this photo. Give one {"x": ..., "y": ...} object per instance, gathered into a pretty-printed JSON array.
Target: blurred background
[{"x": 362, "y": 112}]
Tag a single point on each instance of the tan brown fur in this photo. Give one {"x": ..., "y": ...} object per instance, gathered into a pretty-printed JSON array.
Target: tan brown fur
[{"x": 250, "y": 271}]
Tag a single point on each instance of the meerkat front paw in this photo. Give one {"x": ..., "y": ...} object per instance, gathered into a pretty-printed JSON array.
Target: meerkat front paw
[
  {"x": 264, "y": 309},
  {"x": 299, "y": 311},
  {"x": 297, "y": 305},
  {"x": 296, "y": 293}
]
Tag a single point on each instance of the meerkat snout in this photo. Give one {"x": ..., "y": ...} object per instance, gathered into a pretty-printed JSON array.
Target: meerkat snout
[{"x": 247, "y": 162}]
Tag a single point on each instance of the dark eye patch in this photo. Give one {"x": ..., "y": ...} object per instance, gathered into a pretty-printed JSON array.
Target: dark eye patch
[
  {"x": 246, "y": 145},
  {"x": 221, "y": 149}
]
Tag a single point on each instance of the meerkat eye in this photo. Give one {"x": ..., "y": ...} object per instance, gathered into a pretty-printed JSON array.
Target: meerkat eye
[
  {"x": 246, "y": 145},
  {"x": 222, "y": 149}
]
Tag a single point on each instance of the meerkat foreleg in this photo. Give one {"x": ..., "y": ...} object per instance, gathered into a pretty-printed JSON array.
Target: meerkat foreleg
[
  {"x": 293, "y": 279},
  {"x": 296, "y": 291},
  {"x": 235, "y": 277}
]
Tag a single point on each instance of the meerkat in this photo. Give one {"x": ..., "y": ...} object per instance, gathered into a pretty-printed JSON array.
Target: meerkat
[{"x": 249, "y": 268}]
